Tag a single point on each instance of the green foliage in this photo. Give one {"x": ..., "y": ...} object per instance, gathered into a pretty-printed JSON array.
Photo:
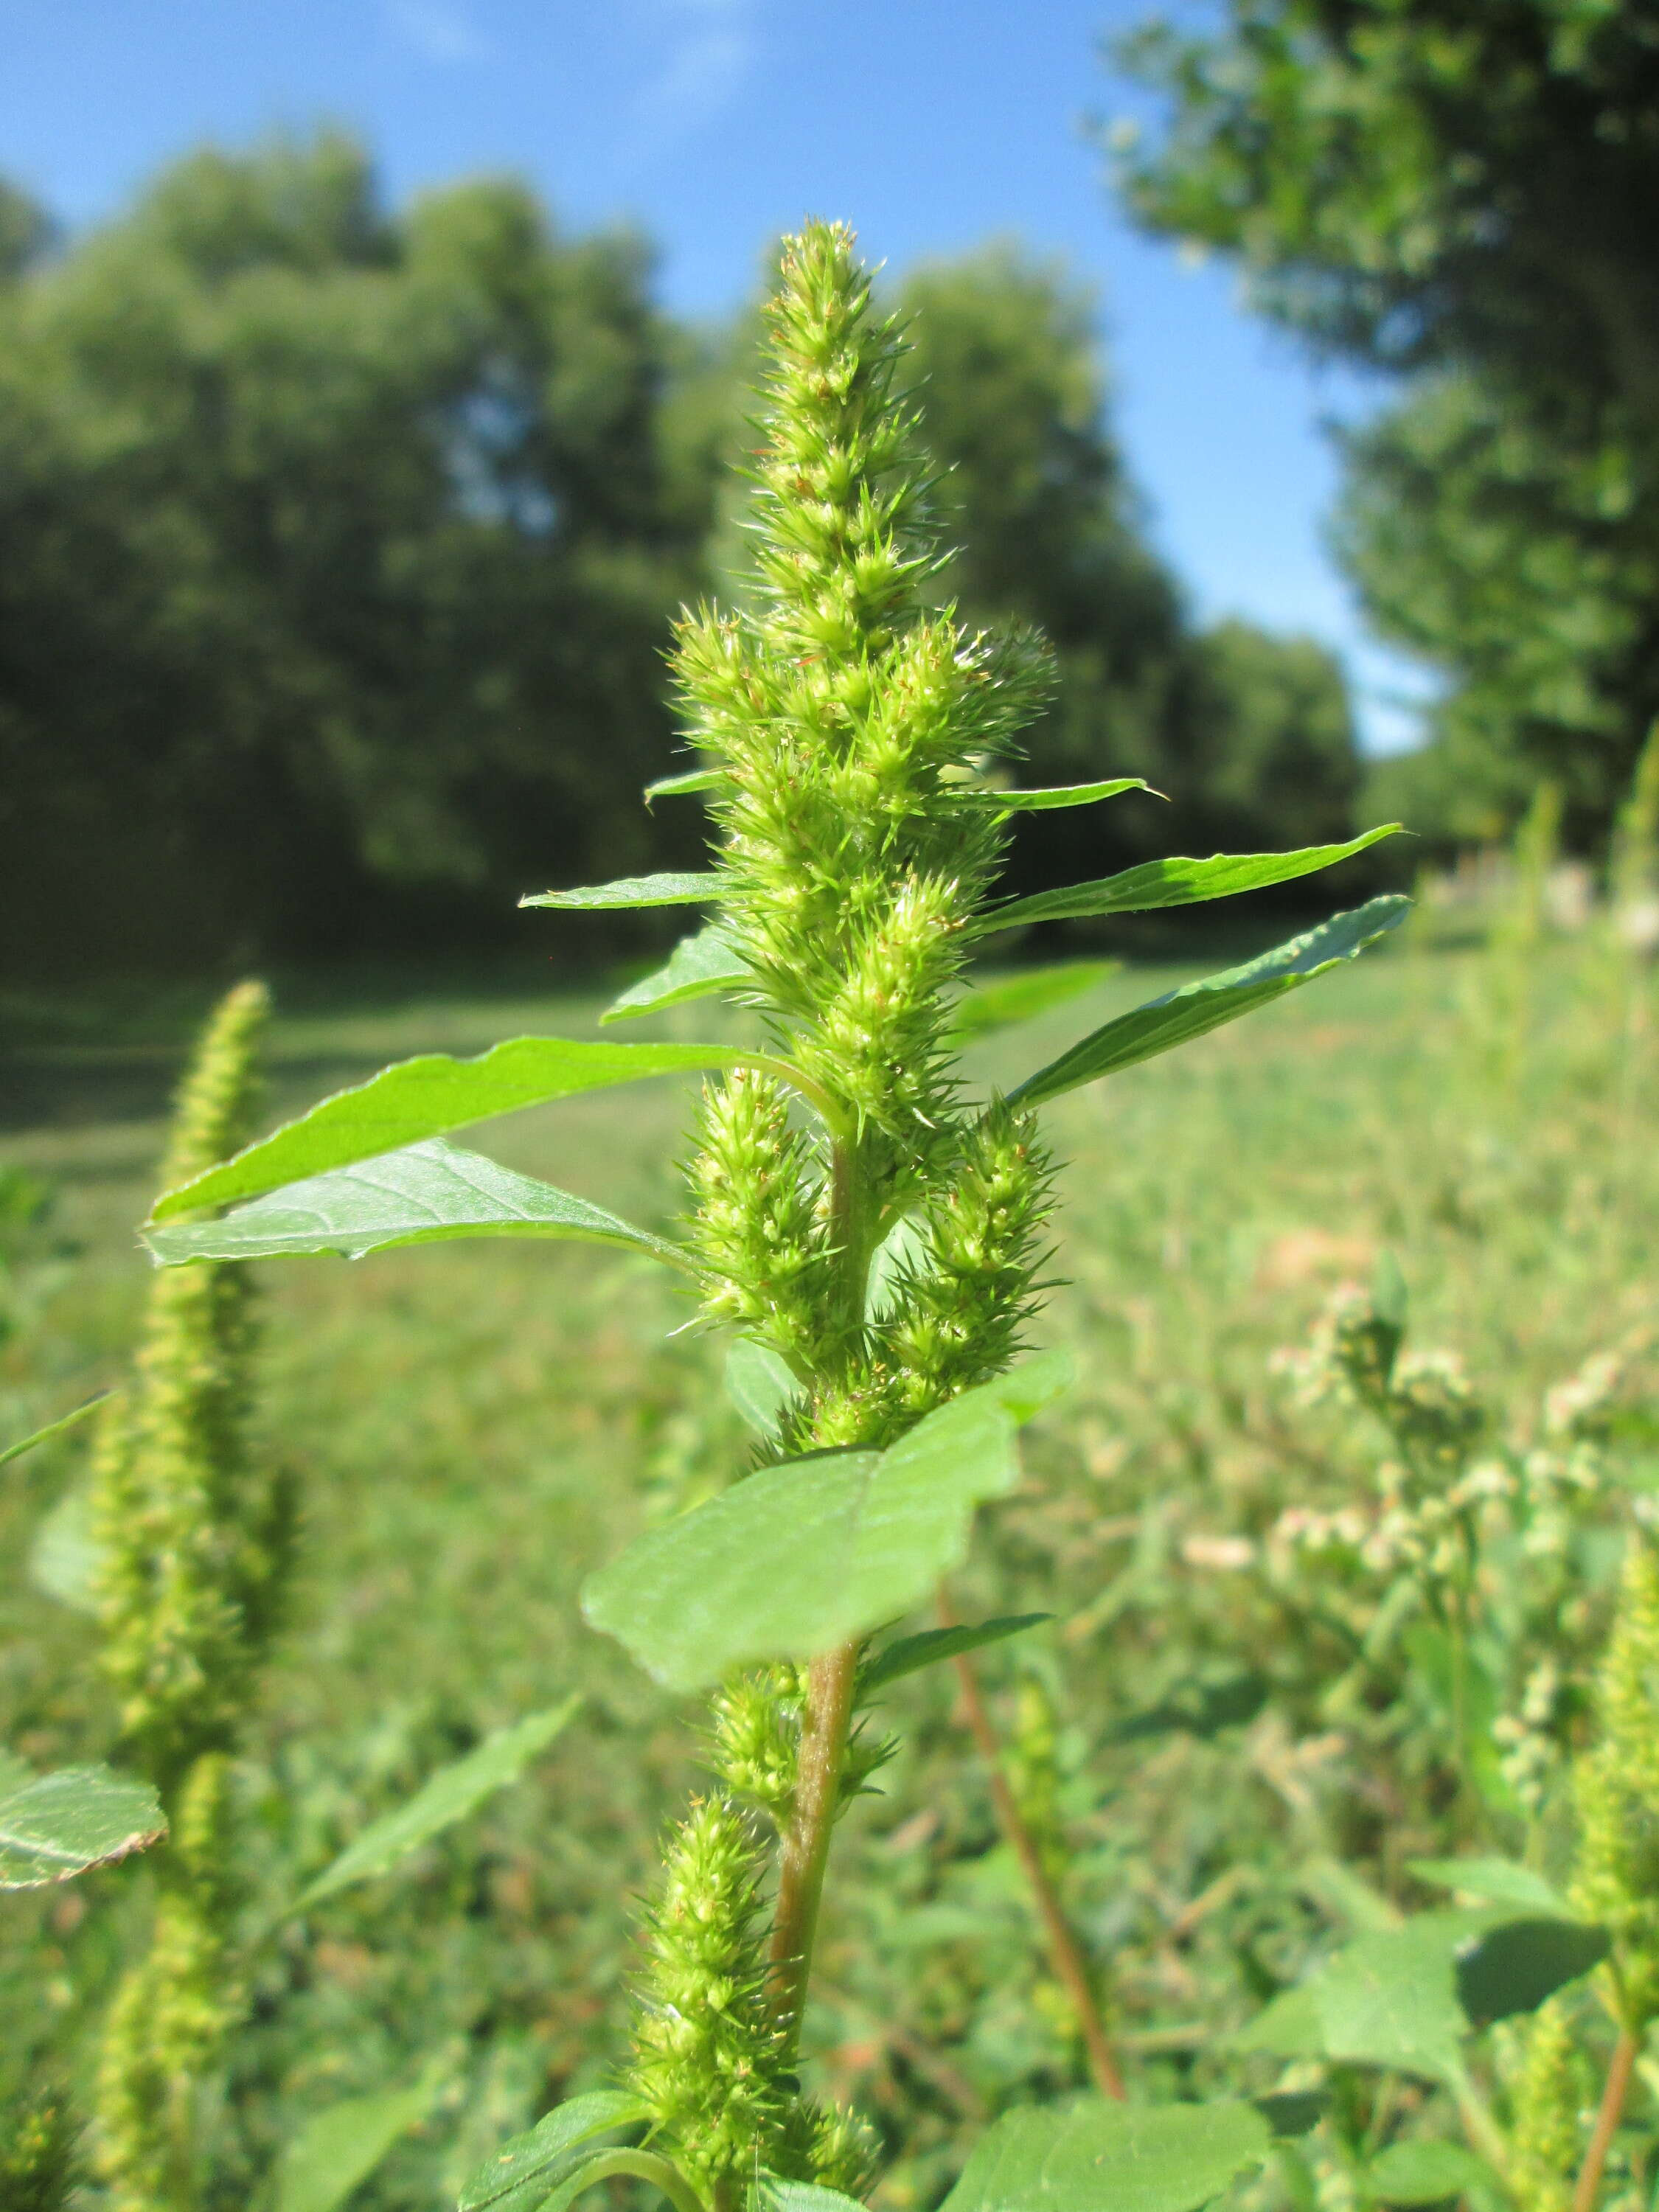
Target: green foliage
[
  {"x": 341, "y": 545},
  {"x": 1101, "y": 2158},
  {"x": 424, "y": 1194},
  {"x": 54, "y": 1826},
  {"x": 907, "y": 1655},
  {"x": 40, "y": 2165},
  {"x": 426, "y": 1097},
  {"x": 1177, "y": 883},
  {"x": 801, "y": 1557},
  {"x": 58, "y": 1428},
  {"x": 445, "y": 1797},
  {"x": 338, "y": 2149},
  {"x": 522, "y": 2169},
  {"x": 700, "y": 967},
  {"x": 1451, "y": 194},
  {"x": 1196, "y": 1008}
]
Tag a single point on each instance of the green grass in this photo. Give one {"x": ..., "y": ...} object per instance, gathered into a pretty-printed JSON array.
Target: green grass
[{"x": 477, "y": 1425}]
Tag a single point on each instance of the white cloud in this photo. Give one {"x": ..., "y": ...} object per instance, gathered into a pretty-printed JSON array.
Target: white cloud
[
  {"x": 437, "y": 29},
  {"x": 705, "y": 47}
]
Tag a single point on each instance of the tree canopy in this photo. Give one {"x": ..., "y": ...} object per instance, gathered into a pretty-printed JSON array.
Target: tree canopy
[{"x": 1460, "y": 192}]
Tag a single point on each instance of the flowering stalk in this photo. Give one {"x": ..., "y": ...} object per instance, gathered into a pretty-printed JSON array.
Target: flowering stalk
[
  {"x": 194, "y": 1539},
  {"x": 843, "y": 718}
]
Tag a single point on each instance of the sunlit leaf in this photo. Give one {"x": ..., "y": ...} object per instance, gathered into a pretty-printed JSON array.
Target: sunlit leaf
[
  {"x": 1176, "y": 881},
  {"x": 649, "y": 2166},
  {"x": 1101, "y": 2157},
  {"x": 336, "y": 2149},
  {"x": 53, "y": 1825},
  {"x": 425, "y": 1097},
  {"x": 699, "y": 967},
  {"x": 799, "y": 1557},
  {"x": 425, "y": 1194},
  {"x": 1062, "y": 794},
  {"x": 774, "y": 2195},
  {"x": 443, "y": 1799},
  {"x": 912, "y": 1653},
  {"x": 691, "y": 889},
  {"x": 695, "y": 779},
  {"x": 1493, "y": 1882},
  {"x": 1196, "y": 1008},
  {"x": 759, "y": 1384},
  {"x": 523, "y": 2170},
  {"x": 1021, "y": 998}
]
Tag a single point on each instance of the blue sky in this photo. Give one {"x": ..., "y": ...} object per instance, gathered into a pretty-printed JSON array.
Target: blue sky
[{"x": 714, "y": 125}]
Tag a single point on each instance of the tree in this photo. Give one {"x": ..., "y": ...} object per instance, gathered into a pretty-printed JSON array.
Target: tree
[
  {"x": 1459, "y": 189},
  {"x": 340, "y": 553},
  {"x": 1524, "y": 569}
]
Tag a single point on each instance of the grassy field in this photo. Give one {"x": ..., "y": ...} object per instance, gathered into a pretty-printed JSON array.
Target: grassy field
[{"x": 477, "y": 1425}]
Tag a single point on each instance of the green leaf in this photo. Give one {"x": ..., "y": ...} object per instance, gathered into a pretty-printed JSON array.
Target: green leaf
[
  {"x": 1389, "y": 1999},
  {"x": 699, "y": 967},
  {"x": 522, "y": 2169},
  {"x": 1201, "y": 1708},
  {"x": 645, "y": 2165},
  {"x": 1020, "y": 998},
  {"x": 425, "y": 1194},
  {"x": 57, "y": 1428},
  {"x": 1177, "y": 881},
  {"x": 912, "y": 1653},
  {"x": 760, "y": 1384},
  {"x": 1100, "y": 2157},
  {"x": 53, "y": 1825},
  {"x": 799, "y": 1558},
  {"x": 444, "y": 1798},
  {"x": 337, "y": 2149},
  {"x": 1288, "y": 2027},
  {"x": 1290, "y": 2113},
  {"x": 65, "y": 1558},
  {"x": 1063, "y": 794},
  {"x": 1429, "y": 2173},
  {"x": 695, "y": 779},
  {"x": 693, "y": 889},
  {"x": 1514, "y": 1968},
  {"x": 1494, "y": 1881},
  {"x": 425, "y": 1097},
  {"x": 772, "y": 2195},
  {"x": 1196, "y": 1008}
]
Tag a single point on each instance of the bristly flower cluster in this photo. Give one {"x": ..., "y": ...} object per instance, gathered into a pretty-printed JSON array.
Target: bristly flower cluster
[{"x": 847, "y": 720}]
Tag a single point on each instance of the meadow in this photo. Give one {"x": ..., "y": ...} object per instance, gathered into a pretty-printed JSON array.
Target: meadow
[{"x": 474, "y": 1426}]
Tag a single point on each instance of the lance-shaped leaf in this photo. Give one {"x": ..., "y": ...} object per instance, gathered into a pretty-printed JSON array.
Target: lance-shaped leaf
[
  {"x": 334, "y": 2153},
  {"x": 695, "y": 779},
  {"x": 1021, "y": 998},
  {"x": 691, "y": 889},
  {"x": 444, "y": 1798},
  {"x": 912, "y": 1653},
  {"x": 1100, "y": 2157},
  {"x": 425, "y": 1194},
  {"x": 799, "y": 1558},
  {"x": 1177, "y": 881},
  {"x": 1062, "y": 794},
  {"x": 58, "y": 1428},
  {"x": 527, "y": 2167},
  {"x": 53, "y": 1825},
  {"x": 699, "y": 967},
  {"x": 426, "y": 1096},
  {"x": 1197, "y": 1008}
]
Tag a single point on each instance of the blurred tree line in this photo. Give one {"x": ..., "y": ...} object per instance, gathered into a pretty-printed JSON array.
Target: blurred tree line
[
  {"x": 342, "y": 544},
  {"x": 1463, "y": 194}
]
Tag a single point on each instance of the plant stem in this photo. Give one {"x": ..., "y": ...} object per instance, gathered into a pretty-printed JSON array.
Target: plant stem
[
  {"x": 807, "y": 1840},
  {"x": 1065, "y": 1952},
  {"x": 1608, "y": 2117}
]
